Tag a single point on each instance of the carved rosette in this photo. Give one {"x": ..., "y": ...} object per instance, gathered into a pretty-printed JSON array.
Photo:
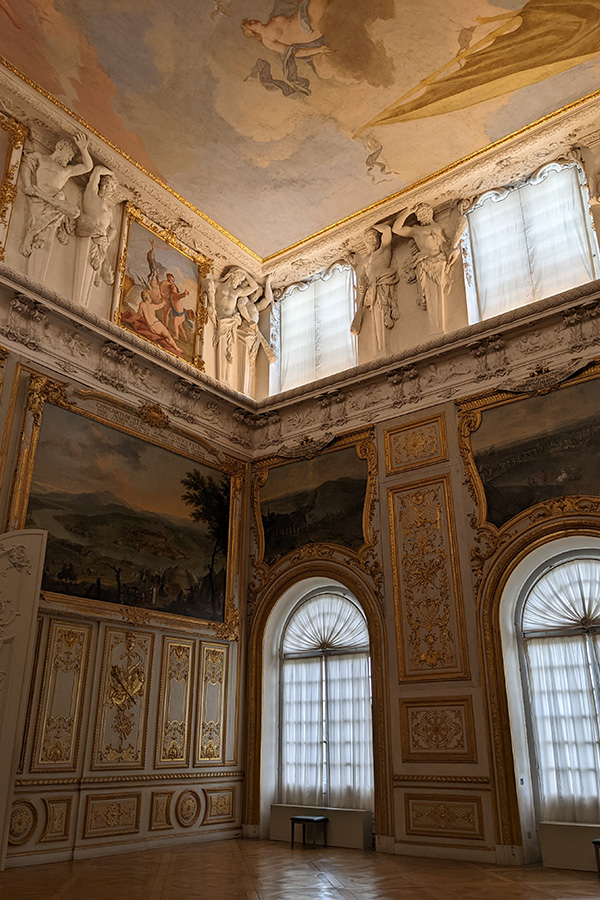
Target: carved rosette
[
  {"x": 418, "y": 444},
  {"x": 23, "y": 822},
  {"x": 187, "y": 808}
]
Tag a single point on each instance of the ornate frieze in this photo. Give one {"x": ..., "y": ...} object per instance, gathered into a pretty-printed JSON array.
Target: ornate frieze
[
  {"x": 427, "y": 585},
  {"x": 119, "y": 739},
  {"x": 59, "y": 714},
  {"x": 437, "y": 730}
]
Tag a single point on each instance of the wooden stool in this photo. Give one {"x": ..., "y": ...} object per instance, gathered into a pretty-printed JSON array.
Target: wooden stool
[
  {"x": 310, "y": 820},
  {"x": 596, "y": 843}
]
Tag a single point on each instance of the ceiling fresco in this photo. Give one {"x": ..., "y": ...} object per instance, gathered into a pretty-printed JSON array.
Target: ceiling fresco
[{"x": 279, "y": 120}]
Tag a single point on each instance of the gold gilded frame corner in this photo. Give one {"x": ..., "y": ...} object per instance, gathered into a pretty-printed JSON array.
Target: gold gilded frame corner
[
  {"x": 131, "y": 213},
  {"x": 17, "y": 134},
  {"x": 42, "y": 390}
]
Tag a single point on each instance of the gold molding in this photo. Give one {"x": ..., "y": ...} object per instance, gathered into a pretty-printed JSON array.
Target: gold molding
[
  {"x": 113, "y": 810},
  {"x": 212, "y": 704},
  {"x": 160, "y": 811},
  {"x": 58, "y": 812},
  {"x": 57, "y": 736},
  {"x": 224, "y": 812},
  {"x": 450, "y": 661},
  {"x": 439, "y": 729},
  {"x": 23, "y": 822},
  {"x": 188, "y": 808},
  {"x": 42, "y": 390},
  {"x": 482, "y": 152},
  {"x": 442, "y": 779},
  {"x": 173, "y": 731},
  {"x": 16, "y": 135},
  {"x": 438, "y": 443},
  {"x": 441, "y": 806}
]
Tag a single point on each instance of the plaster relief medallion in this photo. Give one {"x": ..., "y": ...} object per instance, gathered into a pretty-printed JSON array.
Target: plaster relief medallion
[
  {"x": 23, "y": 820},
  {"x": 187, "y": 809}
]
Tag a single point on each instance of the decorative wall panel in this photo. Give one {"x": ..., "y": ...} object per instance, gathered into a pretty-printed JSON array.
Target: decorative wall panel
[
  {"x": 427, "y": 587},
  {"x": 160, "y": 811},
  {"x": 119, "y": 740},
  {"x": 213, "y": 676},
  {"x": 444, "y": 817},
  {"x": 59, "y": 714},
  {"x": 23, "y": 822},
  {"x": 58, "y": 819},
  {"x": 187, "y": 808},
  {"x": 220, "y": 806},
  {"x": 417, "y": 444},
  {"x": 112, "y": 814},
  {"x": 437, "y": 730},
  {"x": 173, "y": 717}
]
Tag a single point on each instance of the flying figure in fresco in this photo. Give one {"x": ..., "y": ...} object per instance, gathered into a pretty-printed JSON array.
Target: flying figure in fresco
[
  {"x": 541, "y": 39},
  {"x": 293, "y": 31}
]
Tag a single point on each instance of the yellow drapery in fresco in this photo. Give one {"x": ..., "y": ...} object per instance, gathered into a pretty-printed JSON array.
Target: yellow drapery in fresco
[{"x": 551, "y": 36}]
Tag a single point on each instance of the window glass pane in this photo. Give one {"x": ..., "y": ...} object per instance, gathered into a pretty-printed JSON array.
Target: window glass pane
[
  {"x": 302, "y": 732},
  {"x": 350, "y": 732},
  {"x": 298, "y": 338}
]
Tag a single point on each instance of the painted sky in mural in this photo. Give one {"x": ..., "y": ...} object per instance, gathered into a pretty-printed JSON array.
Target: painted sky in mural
[{"x": 277, "y": 119}]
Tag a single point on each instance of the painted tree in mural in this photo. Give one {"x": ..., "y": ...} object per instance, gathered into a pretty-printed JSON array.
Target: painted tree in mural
[{"x": 209, "y": 500}]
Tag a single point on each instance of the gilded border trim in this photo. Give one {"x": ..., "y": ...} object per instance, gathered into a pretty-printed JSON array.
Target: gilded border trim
[
  {"x": 467, "y": 755},
  {"x": 440, "y": 456},
  {"x": 17, "y": 134}
]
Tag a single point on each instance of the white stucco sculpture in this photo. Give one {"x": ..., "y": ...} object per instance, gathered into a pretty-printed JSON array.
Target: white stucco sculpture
[
  {"x": 234, "y": 303},
  {"x": 44, "y": 176},
  {"x": 376, "y": 283},
  {"x": 96, "y": 229},
  {"x": 438, "y": 249}
]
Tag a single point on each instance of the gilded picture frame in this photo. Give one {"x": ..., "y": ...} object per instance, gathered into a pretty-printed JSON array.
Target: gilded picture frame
[
  {"x": 352, "y": 542},
  {"x": 158, "y": 294},
  {"x": 147, "y": 561},
  {"x": 12, "y": 139},
  {"x": 544, "y": 454}
]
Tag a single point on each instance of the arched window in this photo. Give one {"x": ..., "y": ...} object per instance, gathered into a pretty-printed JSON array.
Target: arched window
[
  {"x": 558, "y": 624},
  {"x": 326, "y": 743}
]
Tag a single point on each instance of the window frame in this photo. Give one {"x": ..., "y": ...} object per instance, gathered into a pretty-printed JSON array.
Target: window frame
[{"x": 495, "y": 195}]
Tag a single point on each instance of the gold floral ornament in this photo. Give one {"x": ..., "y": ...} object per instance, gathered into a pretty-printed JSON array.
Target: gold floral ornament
[{"x": 126, "y": 686}]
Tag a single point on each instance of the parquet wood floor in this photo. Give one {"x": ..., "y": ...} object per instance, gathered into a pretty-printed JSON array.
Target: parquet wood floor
[{"x": 265, "y": 870}]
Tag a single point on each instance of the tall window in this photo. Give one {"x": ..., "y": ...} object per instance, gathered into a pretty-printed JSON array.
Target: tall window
[
  {"x": 315, "y": 328},
  {"x": 326, "y": 744},
  {"x": 529, "y": 241},
  {"x": 559, "y": 625}
]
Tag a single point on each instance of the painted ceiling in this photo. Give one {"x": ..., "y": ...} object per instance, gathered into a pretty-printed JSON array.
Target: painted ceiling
[{"x": 277, "y": 121}]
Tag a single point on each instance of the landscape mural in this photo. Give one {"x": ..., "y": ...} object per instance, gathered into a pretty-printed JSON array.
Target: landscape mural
[
  {"x": 317, "y": 106},
  {"x": 128, "y": 522},
  {"x": 539, "y": 448},
  {"x": 316, "y": 500}
]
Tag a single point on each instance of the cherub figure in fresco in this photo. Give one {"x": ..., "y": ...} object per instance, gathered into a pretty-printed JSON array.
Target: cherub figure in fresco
[
  {"x": 293, "y": 30},
  {"x": 437, "y": 251},
  {"x": 172, "y": 305},
  {"x": 44, "y": 177},
  {"x": 376, "y": 283},
  {"x": 147, "y": 321}
]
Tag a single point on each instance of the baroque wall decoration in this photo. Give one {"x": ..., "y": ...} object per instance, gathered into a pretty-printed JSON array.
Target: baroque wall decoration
[
  {"x": 187, "y": 808},
  {"x": 58, "y": 819},
  {"x": 111, "y": 814},
  {"x": 220, "y": 805},
  {"x": 416, "y": 444},
  {"x": 23, "y": 822},
  {"x": 427, "y": 586},
  {"x": 437, "y": 730},
  {"x": 173, "y": 729},
  {"x": 444, "y": 816},
  {"x": 160, "y": 811},
  {"x": 120, "y": 732},
  {"x": 60, "y": 706},
  {"x": 158, "y": 294},
  {"x": 12, "y": 138},
  {"x": 155, "y": 526},
  {"x": 212, "y": 704}
]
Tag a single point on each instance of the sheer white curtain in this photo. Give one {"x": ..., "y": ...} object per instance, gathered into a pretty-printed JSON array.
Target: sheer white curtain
[
  {"x": 315, "y": 329},
  {"x": 563, "y": 688},
  {"x": 530, "y": 242},
  {"x": 326, "y": 728}
]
